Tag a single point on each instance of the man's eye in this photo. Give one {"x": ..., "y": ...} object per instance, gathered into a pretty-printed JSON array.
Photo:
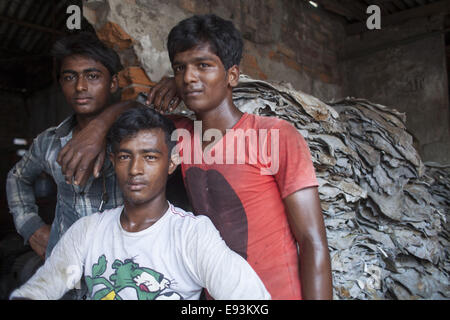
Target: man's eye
[
  {"x": 124, "y": 157},
  {"x": 69, "y": 78},
  {"x": 178, "y": 68},
  {"x": 92, "y": 76},
  {"x": 204, "y": 65},
  {"x": 150, "y": 158}
]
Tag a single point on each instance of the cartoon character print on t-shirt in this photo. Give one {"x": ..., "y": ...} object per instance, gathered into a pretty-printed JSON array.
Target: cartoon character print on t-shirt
[
  {"x": 148, "y": 283},
  {"x": 211, "y": 195}
]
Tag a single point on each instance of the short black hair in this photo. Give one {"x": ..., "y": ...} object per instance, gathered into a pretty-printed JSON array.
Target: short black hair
[
  {"x": 224, "y": 39},
  {"x": 86, "y": 44},
  {"x": 138, "y": 118}
]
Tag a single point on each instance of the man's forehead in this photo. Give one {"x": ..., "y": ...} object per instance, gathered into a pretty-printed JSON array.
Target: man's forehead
[
  {"x": 80, "y": 63},
  {"x": 201, "y": 50},
  {"x": 145, "y": 139}
]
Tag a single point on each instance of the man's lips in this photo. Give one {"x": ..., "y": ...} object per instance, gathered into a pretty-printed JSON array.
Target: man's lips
[
  {"x": 136, "y": 186},
  {"x": 193, "y": 93},
  {"x": 83, "y": 100}
]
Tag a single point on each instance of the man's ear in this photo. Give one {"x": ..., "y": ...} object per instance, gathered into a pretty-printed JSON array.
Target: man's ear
[
  {"x": 111, "y": 157},
  {"x": 233, "y": 75},
  {"x": 114, "y": 84},
  {"x": 174, "y": 161}
]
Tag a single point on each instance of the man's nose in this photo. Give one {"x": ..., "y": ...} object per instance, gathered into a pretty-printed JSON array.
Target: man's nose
[
  {"x": 190, "y": 74},
  {"x": 81, "y": 84},
  {"x": 136, "y": 166}
]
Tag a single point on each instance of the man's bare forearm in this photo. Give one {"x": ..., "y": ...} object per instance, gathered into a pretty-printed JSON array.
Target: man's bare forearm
[
  {"x": 315, "y": 272},
  {"x": 306, "y": 222},
  {"x": 84, "y": 154},
  {"x": 105, "y": 120}
]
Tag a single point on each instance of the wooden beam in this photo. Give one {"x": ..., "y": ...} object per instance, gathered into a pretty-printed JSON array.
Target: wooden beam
[
  {"x": 400, "y": 4},
  {"x": 383, "y": 4},
  {"x": 380, "y": 1},
  {"x": 11, "y": 52},
  {"x": 357, "y": 8},
  {"x": 342, "y": 9},
  {"x": 31, "y": 25},
  {"x": 441, "y": 7},
  {"x": 372, "y": 49},
  {"x": 23, "y": 59}
]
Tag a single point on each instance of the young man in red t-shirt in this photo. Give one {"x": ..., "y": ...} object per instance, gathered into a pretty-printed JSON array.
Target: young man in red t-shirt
[{"x": 255, "y": 180}]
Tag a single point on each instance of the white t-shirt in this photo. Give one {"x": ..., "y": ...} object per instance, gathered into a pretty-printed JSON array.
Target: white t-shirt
[{"x": 173, "y": 259}]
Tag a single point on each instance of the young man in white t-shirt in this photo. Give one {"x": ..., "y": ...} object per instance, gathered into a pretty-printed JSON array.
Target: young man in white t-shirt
[{"x": 147, "y": 249}]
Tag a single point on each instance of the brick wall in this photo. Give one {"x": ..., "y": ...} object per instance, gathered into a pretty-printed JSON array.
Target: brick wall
[
  {"x": 133, "y": 78},
  {"x": 291, "y": 41},
  {"x": 286, "y": 40},
  {"x": 404, "y": 67}
]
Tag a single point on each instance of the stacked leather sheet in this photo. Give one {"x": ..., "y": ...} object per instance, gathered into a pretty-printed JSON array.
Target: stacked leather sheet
[{"x": 385, "y": 211}]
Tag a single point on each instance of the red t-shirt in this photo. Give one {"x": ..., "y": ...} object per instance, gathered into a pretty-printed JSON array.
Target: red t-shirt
[{"x": 240, "y": 184}]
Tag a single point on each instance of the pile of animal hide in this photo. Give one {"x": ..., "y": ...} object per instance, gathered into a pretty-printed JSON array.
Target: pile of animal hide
[{"x": 385, "y": 210}]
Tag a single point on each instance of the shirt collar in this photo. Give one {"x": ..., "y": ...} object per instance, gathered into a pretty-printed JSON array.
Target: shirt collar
[{"x": 65, "y": 127}]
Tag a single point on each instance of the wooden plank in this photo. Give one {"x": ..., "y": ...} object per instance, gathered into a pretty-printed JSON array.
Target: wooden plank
[
  {"x": 31, "y": 25},
  {"x": 400, "y": 5},
  {"x": 389, "y": 44},
  {"x": 383, "y": 4},
  {"x": 23, "y": 59},
  {"x": 356, "y": 8},
  {"x": 441, "y": 7},
  {"x": 342, "y": 9}
]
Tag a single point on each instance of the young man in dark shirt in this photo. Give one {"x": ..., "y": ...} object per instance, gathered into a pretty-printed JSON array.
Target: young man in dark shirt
[{"x": 87, "y": 72}]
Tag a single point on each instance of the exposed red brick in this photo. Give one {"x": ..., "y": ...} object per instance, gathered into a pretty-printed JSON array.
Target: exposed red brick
[
  {"x": 309, "y": 70},
  {"x": 114, "y": 36},
  {"x": 188, "y": 5},
  {"x": 250, "y": 66},
  {"x": 134, "y": 75},
  {"x": 274, "y": 55},
  {"x": 131, "y": 92},
  {"x": 321, "y": 37},
  {"x": 315, "y": 17},
  {"x": 292, "y": 64},
  {"x": 285, "y": 50},
  {"x": 325, "y": 77},
  {"x": 310, "y": 52},
  {"x": 329, "y": 59},
  {"x": 194, "y": 6}
]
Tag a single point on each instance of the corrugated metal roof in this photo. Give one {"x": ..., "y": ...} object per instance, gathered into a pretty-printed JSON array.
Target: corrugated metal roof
[
  {"x": 354, "y": 11},
  {"x": 28, "y": 29}
]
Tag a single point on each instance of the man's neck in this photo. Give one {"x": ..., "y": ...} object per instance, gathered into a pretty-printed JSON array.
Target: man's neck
[
  {"x": 82, "y": 122},
  {"x": 223, "y": 117},
  {"x": 84, "y": 119},
  {"x": 136, "y": 218}
]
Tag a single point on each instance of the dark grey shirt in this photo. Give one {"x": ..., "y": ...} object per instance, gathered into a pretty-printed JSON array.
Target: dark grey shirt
[{"x": 73, "y": 202}]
